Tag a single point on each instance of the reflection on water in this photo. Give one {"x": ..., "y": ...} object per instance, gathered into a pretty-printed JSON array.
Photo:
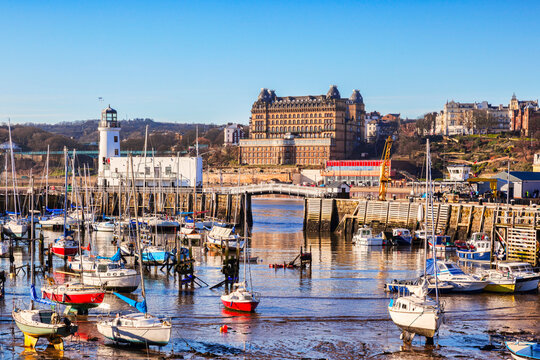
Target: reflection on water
[{"x": 336, "y": 308}]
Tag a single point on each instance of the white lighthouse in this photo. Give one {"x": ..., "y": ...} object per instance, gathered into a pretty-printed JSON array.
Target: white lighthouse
[{"x": 109, "y": 141}]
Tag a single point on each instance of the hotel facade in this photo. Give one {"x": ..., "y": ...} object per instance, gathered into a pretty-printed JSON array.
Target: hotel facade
[{"x": 303, "y": 130}]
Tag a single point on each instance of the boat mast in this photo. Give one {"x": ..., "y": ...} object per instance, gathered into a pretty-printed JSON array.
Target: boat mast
[
  {"x": 138, "y": 235},
  {"x": 425, "y": 215},
  {"x": 47, "y": 179},
  {"x": 245, "y": 239},
  {"x": 6, "y": 172},
  {"x": 428, "y": 171},
  {"x": 15, "y": 198},
  {"x": 32, "y": 244},
  {"x": 144, "y": 156},
  {"x": 65, "y": 187}
]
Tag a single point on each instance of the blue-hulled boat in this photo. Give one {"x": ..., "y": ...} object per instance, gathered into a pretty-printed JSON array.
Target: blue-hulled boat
[
  {"x": 478, "y": 248},
  {"x": 523, "y": 350}
]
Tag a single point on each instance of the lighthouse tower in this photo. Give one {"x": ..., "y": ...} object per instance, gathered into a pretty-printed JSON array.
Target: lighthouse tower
[{"x": 109, "y": 140}]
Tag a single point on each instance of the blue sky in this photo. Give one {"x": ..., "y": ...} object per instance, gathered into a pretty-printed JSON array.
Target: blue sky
[{"x": 191, "y": 61}]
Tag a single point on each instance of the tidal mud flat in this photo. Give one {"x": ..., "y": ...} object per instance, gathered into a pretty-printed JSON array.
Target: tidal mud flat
[{"x": 335, "y": 310}]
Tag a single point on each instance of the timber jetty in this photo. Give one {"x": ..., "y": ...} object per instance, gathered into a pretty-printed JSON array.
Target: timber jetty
[{"x": 517, "y": 226}]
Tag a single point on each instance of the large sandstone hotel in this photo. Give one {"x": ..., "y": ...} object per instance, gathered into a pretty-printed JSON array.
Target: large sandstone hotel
[{"x": 303, "y": 130}]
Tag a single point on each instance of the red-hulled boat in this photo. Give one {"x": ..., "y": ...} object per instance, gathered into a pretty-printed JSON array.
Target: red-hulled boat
[
  {"x": 240, "y": 299},
  {"x": 74, "y": 294},
  {"x": 65, "y": 246}
]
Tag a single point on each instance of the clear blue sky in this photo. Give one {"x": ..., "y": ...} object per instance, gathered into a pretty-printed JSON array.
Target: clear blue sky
[{"x": 195, "y": 61}]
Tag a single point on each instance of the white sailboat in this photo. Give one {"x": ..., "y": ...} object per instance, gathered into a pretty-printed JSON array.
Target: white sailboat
[
  {"x": 417, "y": 314},
  {"x": 41, "y": 323},
  {"x": 15, "y": 224},
  {"x": 136, "y": 328}
]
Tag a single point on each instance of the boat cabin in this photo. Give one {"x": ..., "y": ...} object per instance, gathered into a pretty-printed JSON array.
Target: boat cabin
[
  {"x": 108, "y": 267},
  {"x": 440, "y": 240},
  {"x": 515, "y": 268},
  {"x": 401, "y": 232},
  {"x": 364, "y": 232}
]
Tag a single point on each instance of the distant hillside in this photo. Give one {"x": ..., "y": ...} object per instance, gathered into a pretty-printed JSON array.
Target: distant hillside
[{"x": 86, "y": 130}]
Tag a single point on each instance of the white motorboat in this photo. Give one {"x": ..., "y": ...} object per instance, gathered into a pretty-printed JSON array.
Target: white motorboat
[
  {"x": 451, "y": 273},
  {"x": 365, "y": 237},
  {"x": 526, "y": 278},
  {"x": 112, "y": 276},
  {"x": 159, "y": 222}
]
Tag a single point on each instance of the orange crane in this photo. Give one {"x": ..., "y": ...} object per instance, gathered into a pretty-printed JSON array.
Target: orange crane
[{"x": 384, "y": 177}]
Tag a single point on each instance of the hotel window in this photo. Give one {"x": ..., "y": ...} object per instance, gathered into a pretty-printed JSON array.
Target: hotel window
[
  {"x": 116, "y": 152},
  {"x": 115, "y": 138}
]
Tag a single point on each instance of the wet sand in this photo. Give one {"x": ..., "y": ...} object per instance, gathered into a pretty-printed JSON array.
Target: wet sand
[{"x": 335, "y": 310}]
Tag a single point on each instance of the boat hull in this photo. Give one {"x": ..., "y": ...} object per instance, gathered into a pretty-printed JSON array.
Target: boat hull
[
  {"x": 420, "y": 323},
  {"x": 527, "y": 284},
  {"x": 64, "y": 251},
  {"x": 523, "y": 350},
  {"x": 473, "y": 255},
  {"x": 140, "y": 335},
  {"x": 125, "y": 283},
  {"x": 79, "y": 299},
  {"x": 243, "y": 306},
  {"x": 505, "y": 288},
  {"x": 468, "y": 286},
  {"x": 33, "y": 329}
]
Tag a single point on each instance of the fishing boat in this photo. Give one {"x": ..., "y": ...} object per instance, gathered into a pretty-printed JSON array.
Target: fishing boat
[
  {"x": 402, "y": 236},
  {"x": 478, "y": 248},
  {"x": 450, "y": 272},
  {"x": 222, "y": 237},
  {"x": 523, "y": 350},
  {"x": 442, "y": 243},
  {"x": 365, "y": 237},
  {"x": 499, "y": 282},
  {"x": 526, "y": 279},
  {"x": 240, "y": 298},
  {"x": 136, "y": 328},
  {"x": 416, "y": 313}
]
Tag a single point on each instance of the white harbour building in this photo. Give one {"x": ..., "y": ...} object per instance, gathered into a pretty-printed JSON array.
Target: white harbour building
[{"x": 159, "y": 171}]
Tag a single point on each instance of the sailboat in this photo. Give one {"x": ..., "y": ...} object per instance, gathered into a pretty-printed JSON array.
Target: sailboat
[
  {"x": 41, "y": 323},
  {"x": 417, "y": 314},
  {"x": 16, "y": 224},
  {"x": 242, "y": 299},
  {"x": 136, "y": 328},
  {"x": 65, "y": 245},
  {"x": 77, "y": 296}
]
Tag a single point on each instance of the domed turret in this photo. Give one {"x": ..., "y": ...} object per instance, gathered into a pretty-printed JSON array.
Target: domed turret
[
  {"x": 356, "y": 97},
  {"x": 333, "y": 93},
  {"x": 264, "y": 95}
]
